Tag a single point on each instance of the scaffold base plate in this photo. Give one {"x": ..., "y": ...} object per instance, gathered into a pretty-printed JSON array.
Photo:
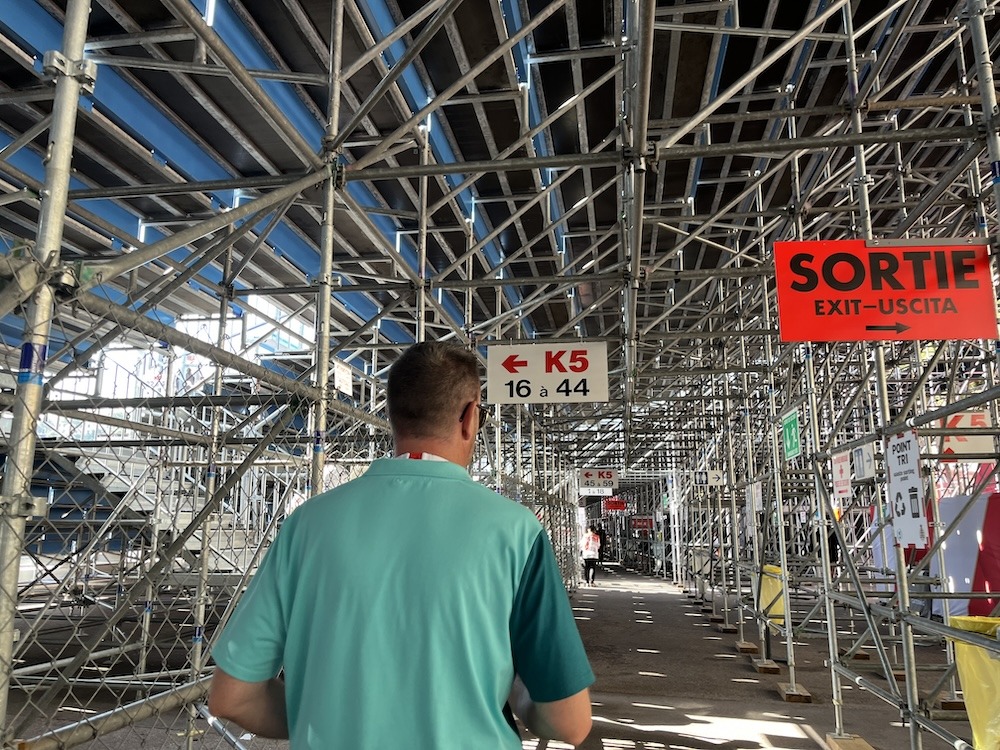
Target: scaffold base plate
[
  {"x": 765, "y": 666},
  {"x": 727, "y": 629},
  {"x": 794, "y": 693},
  {"x": 846, "y": 742},
  {"x": 745, "y": 647},
  {"x": 716, "y": 618}
]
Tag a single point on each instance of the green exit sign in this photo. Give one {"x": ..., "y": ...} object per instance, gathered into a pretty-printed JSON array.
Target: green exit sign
[{"x": 790, "y": 435}]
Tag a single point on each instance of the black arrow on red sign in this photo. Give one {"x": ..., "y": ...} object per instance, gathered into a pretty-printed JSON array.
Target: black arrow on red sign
[
  {"x": 898, "y": 328},
  {"x": 513, "y": 364}
]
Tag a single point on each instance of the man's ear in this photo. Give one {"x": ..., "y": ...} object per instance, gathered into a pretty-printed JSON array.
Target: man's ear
[{"x": 470, "y": 424}]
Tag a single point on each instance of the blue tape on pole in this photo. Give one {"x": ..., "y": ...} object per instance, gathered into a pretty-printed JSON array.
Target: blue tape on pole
[
  {"x": 995, "y": 169},
  {"x": 199, "y": 635},
  {"x": 32, "y": 363}
]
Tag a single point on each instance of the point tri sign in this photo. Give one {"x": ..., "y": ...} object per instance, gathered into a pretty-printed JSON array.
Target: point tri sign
[{"x": 884, "y": 290}]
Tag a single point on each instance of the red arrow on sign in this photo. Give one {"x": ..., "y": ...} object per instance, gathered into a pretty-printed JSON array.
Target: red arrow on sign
[
  {"x": 513, "y": 364},
  {"x": 587, "y": 474}
]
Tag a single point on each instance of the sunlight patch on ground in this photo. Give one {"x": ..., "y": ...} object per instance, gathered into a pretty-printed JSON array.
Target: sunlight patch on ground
[
  {"x": 709, "y": 730},
  {"x": 654, "y": 705}
]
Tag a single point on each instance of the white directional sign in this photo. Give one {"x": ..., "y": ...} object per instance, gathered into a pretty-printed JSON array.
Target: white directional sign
[
  {"x": 547, "y": 374},
  {"x": 598, "y": 478},
  {"x": 904, "y": 489},
  {"x": 864, "y": 462},
  {"x": 710, "y": 478},
  {"x": 605, "y": 491},
  {"x": 755, "y": 496},
  {"x": 342, "y": 378},
  {"x": 841, "y": 479},
  {"x": 957, "y": 445}
]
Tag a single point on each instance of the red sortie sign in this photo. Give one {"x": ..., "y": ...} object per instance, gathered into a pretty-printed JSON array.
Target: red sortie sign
[{"x": 853, "y": 290}]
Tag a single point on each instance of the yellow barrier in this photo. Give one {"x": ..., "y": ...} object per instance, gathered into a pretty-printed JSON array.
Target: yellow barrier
[
  {"x": 771, "y": 588},
  {"x": 979, "y": 671}
]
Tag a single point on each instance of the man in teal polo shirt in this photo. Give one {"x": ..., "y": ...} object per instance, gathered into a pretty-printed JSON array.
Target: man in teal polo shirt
[{"x": 406, "y": 608}]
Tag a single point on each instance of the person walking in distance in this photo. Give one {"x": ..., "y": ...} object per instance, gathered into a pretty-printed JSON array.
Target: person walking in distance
[
  {"x": 591, "y": 547},
  {"x": 411, "y": 606}
]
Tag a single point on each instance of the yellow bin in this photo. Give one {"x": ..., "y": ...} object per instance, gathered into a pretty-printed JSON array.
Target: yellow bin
[
  {"x": 772, "y": 589},
  {"x": 979, "y": 671}
]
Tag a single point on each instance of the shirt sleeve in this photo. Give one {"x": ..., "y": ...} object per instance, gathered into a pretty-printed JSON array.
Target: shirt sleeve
[
  {"x": 251, "y": 646},
  {"x": 548, "y": 652}
]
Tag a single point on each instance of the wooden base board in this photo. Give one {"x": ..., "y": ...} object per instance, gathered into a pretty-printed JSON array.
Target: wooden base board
[
  {"x": 727, "y": 629},
  {"x": 794, "y": 693},
  {"x": 706, "y": 609},
  {"x": 858, "y": 655},
  {"x": 716, "y": 618},
  {"x": 846, "y": 742},
  {"x": 765, "y": 666},
  {"x": 952, "y": 704},
  {"x": 745, "y": 647},
  {"x": 941, "y": 714}
]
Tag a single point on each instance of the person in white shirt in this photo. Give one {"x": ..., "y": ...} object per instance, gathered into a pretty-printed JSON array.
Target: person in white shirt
[{"x": 591, "y": 546}]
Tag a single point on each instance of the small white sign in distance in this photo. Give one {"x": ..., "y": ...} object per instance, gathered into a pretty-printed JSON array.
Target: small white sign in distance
[
  {"x": 841, "y": 470},
  {"x": 608, "y": 491},
  {"x": 863, "y": 457}
]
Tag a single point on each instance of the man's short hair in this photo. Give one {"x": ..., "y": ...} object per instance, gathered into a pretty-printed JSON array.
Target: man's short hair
[{"x": 428, "y": 386}]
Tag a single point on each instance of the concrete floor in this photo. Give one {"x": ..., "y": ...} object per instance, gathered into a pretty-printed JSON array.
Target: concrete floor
[{"x": 666, "y": 678}]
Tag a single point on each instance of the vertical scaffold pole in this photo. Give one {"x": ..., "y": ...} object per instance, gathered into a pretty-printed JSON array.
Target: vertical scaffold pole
[
  {"x": 325, "y": 279},
  {"x": 776, "y": 467},
  {"x": 734, "y": 529},
  {"x": 748, "y": 449},
  {"x": 211, "y": 482},
  {"x": 987, "y": 88},
  {"x": 824, "y": 544},
  {"x": 423, "y": 142},
  {"x": 70, "y": 74},
  {"x": 864, "y": 205}
]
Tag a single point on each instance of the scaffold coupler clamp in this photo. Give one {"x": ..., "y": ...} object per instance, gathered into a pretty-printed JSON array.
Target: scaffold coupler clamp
[
  {"x": 65, "y": 280},
  {"x": 55, "y": 64},
  {"x": 24, "y": 506},
  {"x": 977, "y": 7}
]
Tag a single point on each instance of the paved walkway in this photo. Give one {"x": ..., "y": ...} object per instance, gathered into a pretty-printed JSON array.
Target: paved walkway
[{"x": 666, "y": 678}]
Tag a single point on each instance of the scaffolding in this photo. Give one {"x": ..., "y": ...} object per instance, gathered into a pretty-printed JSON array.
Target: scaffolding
[{"x": 174, "y": 386}]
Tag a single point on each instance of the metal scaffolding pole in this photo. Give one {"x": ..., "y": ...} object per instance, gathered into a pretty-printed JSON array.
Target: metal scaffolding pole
[
  {"x": 186, "y": 12},
  {"x": 977, "y": 10},
  {"x": 446, "y": 9},
  {"x": 754, "y": 72},
  {"x": 376, "y": 154},
  {"x": 72, "y": 75},
  {"x": 327, "y": 240}
]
